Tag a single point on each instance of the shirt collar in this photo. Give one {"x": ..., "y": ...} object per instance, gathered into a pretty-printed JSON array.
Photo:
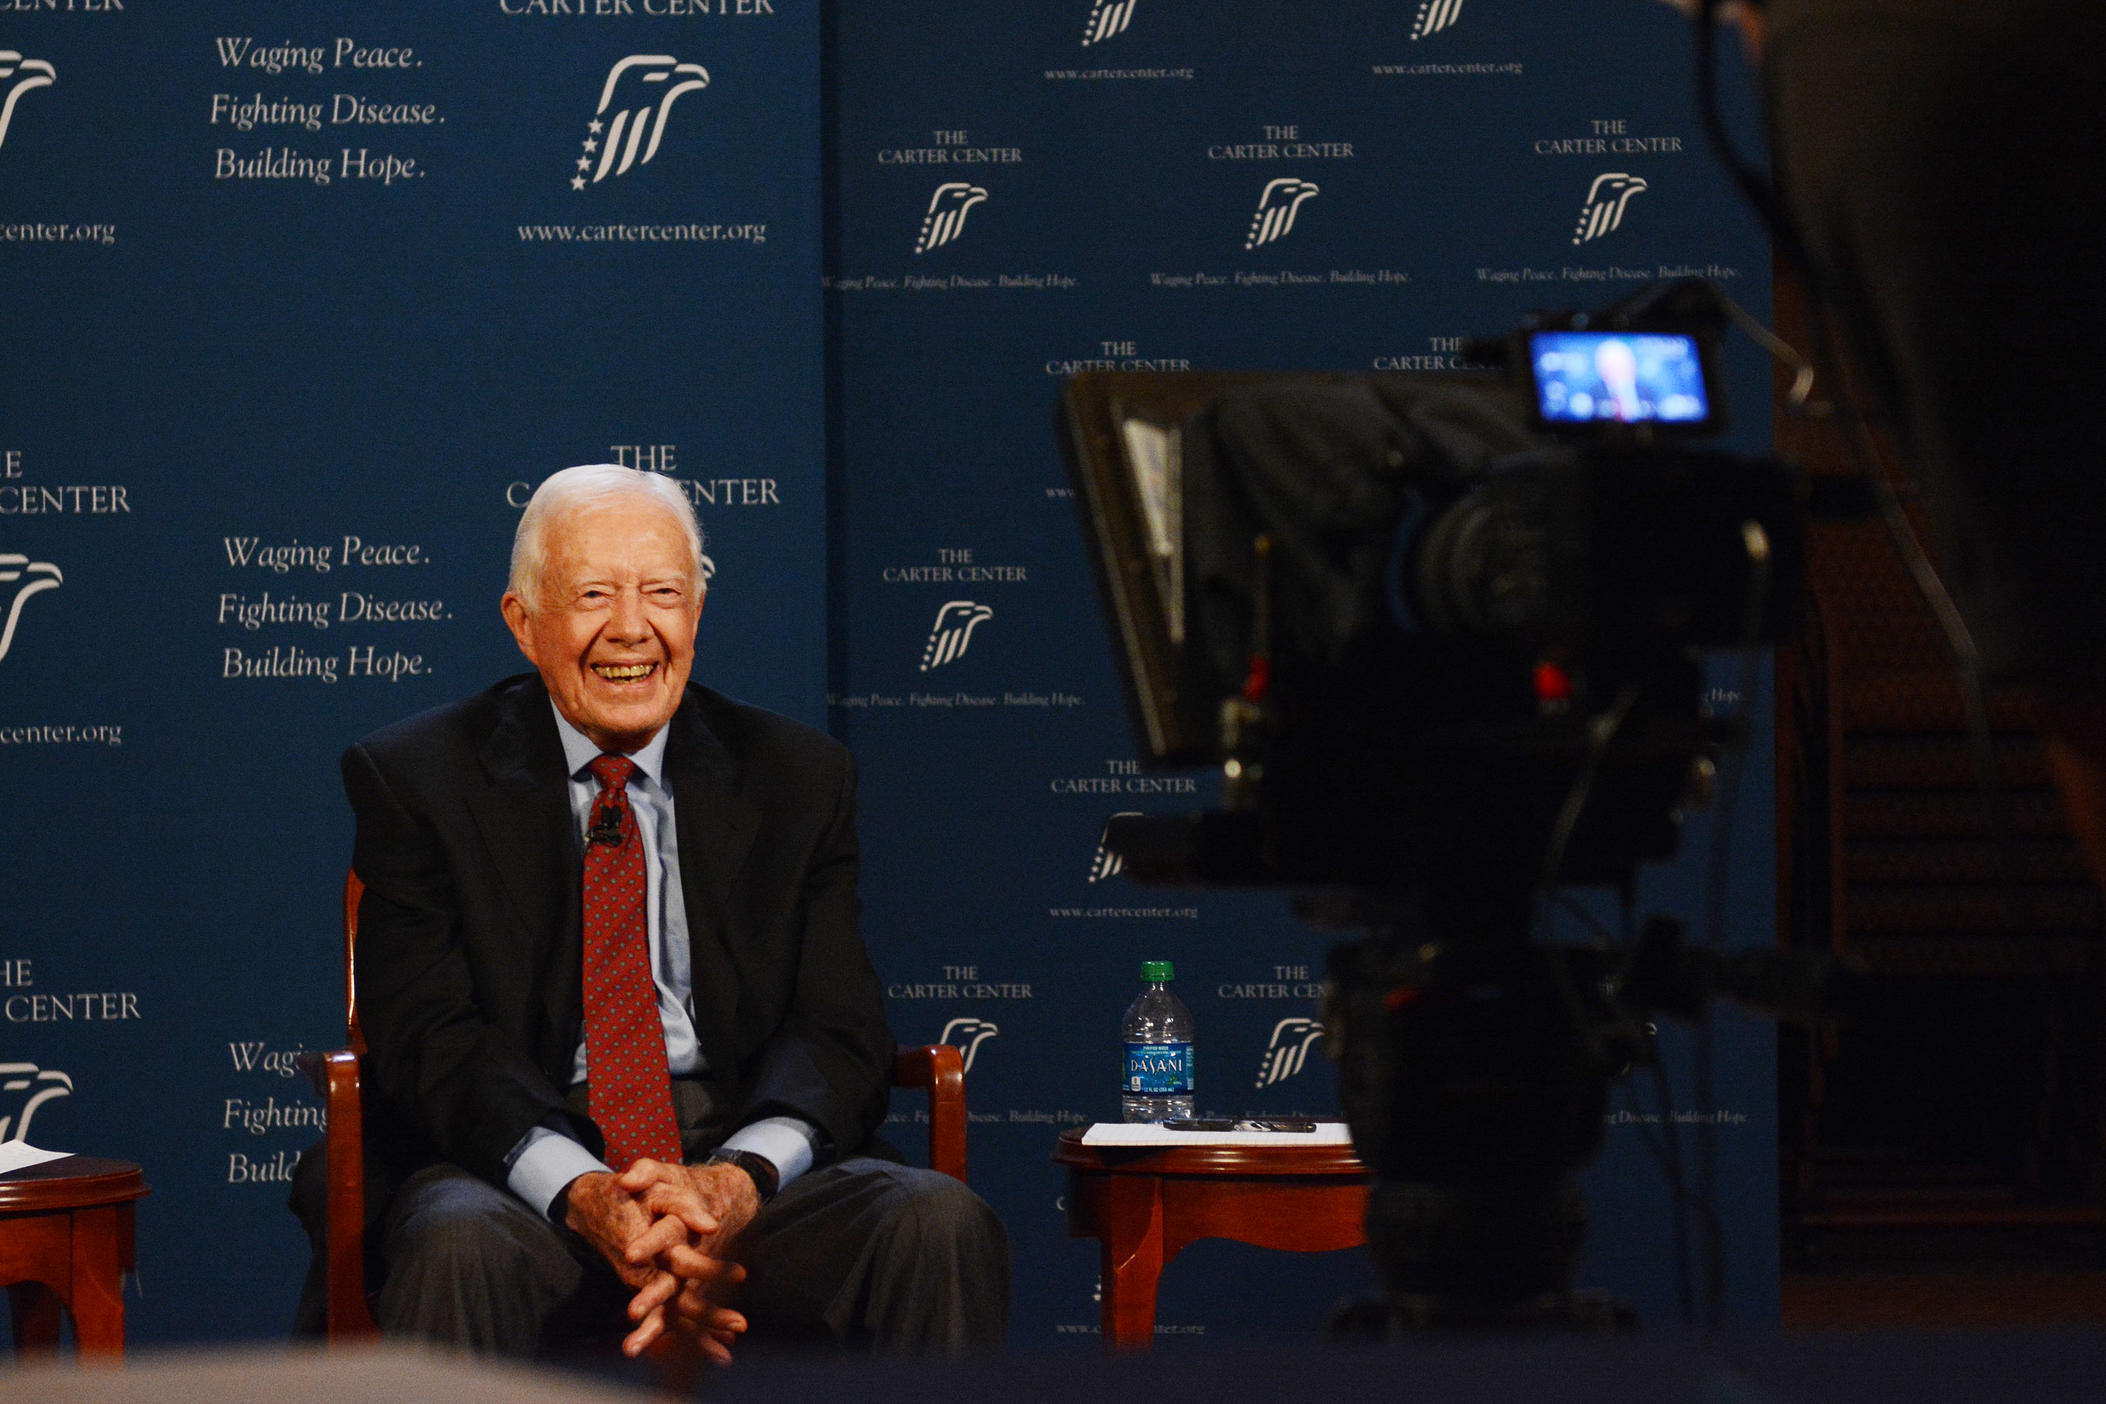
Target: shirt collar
[{"x": 579, "y": 752}]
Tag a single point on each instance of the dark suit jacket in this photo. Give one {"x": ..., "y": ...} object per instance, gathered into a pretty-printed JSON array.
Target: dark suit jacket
[{"x": 469, "y": 950}]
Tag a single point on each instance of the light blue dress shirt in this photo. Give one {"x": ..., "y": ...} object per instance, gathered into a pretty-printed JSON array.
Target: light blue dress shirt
[{"x": 546, "y": 1161}]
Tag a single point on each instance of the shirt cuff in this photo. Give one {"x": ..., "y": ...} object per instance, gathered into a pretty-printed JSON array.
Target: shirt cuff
[
  {"x": 543, "y": 1165},
  {"x": 785, "y": 1142}
]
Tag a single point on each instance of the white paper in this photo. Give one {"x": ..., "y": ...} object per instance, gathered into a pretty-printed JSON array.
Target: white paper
[
  {"x": 1117, "y": 1133},
  {"x": 20, "y": 1155}
]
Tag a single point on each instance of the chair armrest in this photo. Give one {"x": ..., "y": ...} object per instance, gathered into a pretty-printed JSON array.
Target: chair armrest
[
  {"x": 938, "y": 1069},
  {"x": 336, "y": 1077}
]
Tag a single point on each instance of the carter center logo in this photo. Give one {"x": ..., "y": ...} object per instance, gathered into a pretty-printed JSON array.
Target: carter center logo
[
  {"x": 1107, "y": 17},
  {"x": 1288, "y": 1052},
  {"x": 19, "y": 75},
  {"x": 1108, "y": 864},
  {"x": 21, "y": 577},
  {"x": 1277, "y": 206},
  {"x": 41, "y": 1085},
  {"x": 966, "y": 1035},
  {"x": 1611, "y": 191},
  {"x": 640, "y": 91},
  {"x": 1435, "y": 16},
  {"x": 948, "y": 208},
  {"x": 953, "y": 632}
]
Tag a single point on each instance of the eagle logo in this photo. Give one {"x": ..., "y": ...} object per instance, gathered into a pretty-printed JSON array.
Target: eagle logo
[
  {"x": 945, "y": 220},
  {"x": 649, "y": 85},
  {"x": 966, "y": 1035},
  {"x": 22, "y": 577},
  {"x": 1435, "y": 16},
  {"x": 1277, "y": 206},
  {"x": 1611, "y": 191},
  {"x": 42, "y": 1084},
  {"x": 20, "y": 75},
  {"x": 1107, "y": 863},
  {"x": 1288, "y": 1052},
  {"x": 1107, "y": 17},
  {"x": 953, "y": 632}
]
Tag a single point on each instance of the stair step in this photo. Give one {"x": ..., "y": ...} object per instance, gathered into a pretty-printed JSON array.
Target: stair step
[
  {"x": 1935, "y": 861},
  {"x": 1881, "y": 814},
  {"x": 1976, "y": 955},
  {"x": 1986, "y": 910},
  {"x": 1941, "y": 762},
  {"x": 1908, "y": 701},
  {"x": 1906, "y": 1216}
]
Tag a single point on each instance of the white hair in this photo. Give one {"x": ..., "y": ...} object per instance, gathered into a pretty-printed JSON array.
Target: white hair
[{"x": 583, "y": 486}]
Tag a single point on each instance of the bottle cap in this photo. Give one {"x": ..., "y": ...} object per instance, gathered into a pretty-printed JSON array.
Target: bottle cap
[{"x": 1152, "y": 970}]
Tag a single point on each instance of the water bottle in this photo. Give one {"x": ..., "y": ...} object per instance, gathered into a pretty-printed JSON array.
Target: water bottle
[{"x": 1157, "y": 1031}]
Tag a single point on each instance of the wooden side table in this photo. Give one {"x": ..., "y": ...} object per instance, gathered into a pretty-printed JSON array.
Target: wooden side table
[
  {"x": 66, "y": 1241},
  {"x": 1144, "y": 1204}
]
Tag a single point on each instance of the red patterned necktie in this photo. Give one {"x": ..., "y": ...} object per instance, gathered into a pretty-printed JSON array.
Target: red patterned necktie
[{"x": 632, "y": 1093}]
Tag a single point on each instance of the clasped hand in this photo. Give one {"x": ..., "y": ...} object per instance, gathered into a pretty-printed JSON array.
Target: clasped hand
[{"x": 668, "y": 1230}]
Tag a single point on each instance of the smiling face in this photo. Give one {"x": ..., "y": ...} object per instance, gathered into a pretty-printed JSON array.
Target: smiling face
[{"x": 611, "y": 626}]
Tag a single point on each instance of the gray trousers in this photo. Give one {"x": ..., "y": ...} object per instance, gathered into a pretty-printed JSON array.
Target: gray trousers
[{"x": 862, "y": 1252}]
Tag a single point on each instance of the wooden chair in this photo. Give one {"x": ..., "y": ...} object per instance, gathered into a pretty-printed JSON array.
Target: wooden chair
[{"x": 935, "y": 1068}]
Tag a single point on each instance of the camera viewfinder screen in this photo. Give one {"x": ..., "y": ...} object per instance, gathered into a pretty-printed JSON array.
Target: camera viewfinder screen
[{"x": 1583, "y": 377}]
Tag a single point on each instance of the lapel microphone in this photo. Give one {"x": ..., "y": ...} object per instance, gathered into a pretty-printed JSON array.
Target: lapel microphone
[{"x": 606, "y": 826}]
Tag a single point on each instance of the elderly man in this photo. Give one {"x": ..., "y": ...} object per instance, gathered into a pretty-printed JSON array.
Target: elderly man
[{"x": 626, "y": 1048}]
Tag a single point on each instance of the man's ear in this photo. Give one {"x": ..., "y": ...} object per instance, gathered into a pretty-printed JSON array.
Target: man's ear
[{"x": 516, "y": 619}]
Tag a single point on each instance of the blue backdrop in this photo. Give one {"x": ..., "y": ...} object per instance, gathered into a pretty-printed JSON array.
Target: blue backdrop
[
  {"x": 303, "y": 299},
  {"x": 1021, "y": 192}
]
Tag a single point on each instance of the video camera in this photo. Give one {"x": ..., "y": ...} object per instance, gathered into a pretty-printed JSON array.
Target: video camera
[
  {"x": 1441, "y": 635},
  {"x": 1395, "y": 609}
]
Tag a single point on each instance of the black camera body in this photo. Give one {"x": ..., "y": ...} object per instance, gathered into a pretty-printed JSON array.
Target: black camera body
[
  {"x": 1441, "y": 636},
  {"x": 1402, "y": 605}
]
